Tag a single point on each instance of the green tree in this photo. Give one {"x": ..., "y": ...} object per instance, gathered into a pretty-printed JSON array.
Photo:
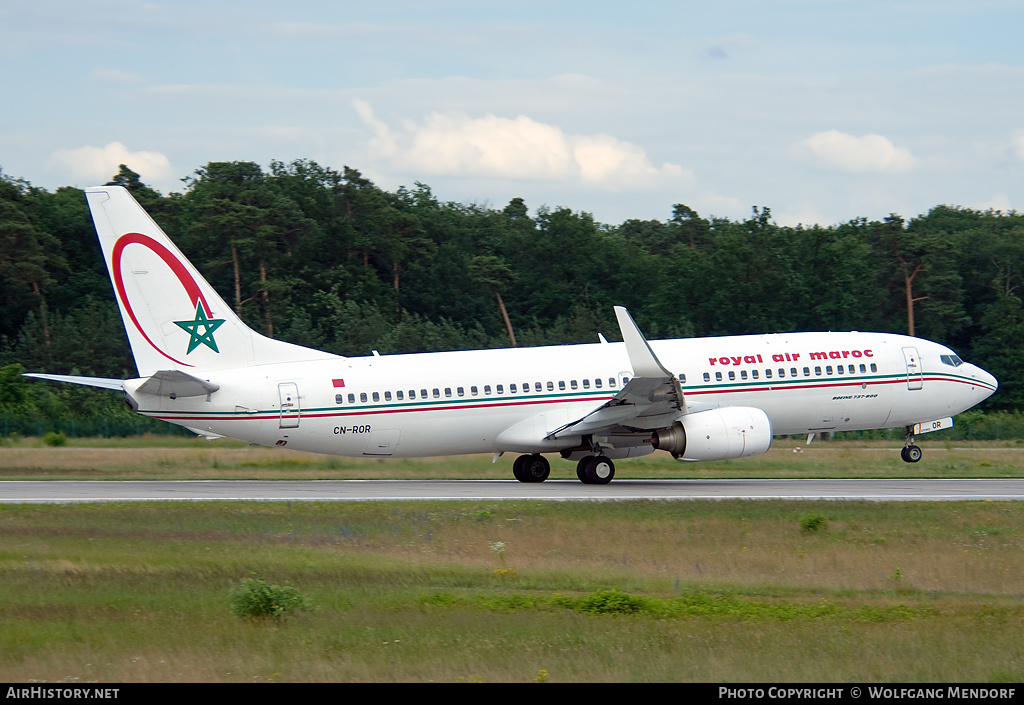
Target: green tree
[{"x": 493, "y": 273}]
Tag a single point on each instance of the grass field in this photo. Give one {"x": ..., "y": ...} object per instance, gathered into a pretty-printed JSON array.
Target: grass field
[
  {"x": 452, "y": 591},
  {"x": 769, "y": 591},
  {"x": 182, "y": 458}
]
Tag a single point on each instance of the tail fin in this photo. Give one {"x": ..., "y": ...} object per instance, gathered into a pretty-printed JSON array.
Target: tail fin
[{"x": 174, "y": 318}]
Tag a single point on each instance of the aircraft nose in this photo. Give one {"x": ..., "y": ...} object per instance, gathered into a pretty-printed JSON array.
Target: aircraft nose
[{"x": 987, "y": 384}]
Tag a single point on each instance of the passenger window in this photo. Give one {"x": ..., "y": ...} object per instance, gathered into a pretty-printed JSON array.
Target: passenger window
[
  {"x": 732, "y": 375},
  {"x": 682, "y": 379},
  {"x": 473, "y": 390},
  {"x": 718, "y": 376},
  {"x": 487, "y": 389},
  {"x": 817, "y": 371},
  {"x": 551, "y": 386},
  {"x": 376, "y": 396},
  {"x": 743, "y": 374},
  {"x": 754, "y": 373},
  {"x": 437, "y": 393},
  {"x": 351, "y": 398},
  {"x": 611, "y": 383},
  {"x": 792, "y": 372},
  {"x": 707, "y": 376},
  {"x": 561, "y": 384},
  {"x": 512, "y": 389},
  {"x": 460, "y": 391},
  {"x": 538, "y": 387},
  {"x": 807, "y": 372},
  {"x": 500, "y": 389},
  {"x": 423, "y": 393},
  {"x": 597, "y": 383},
  {"x": 362, "y": 396},
  {"x": 387, "y": 396},
  {"x": 447, "y": 391},
  {"x": 767, "y": 374},
  {"x": 874, "y": 367},
  {"x": 782, "y": 373},
  {"x": 339, "y": 398},
  {"x": 586, "y": 384},
  {"x": 828, "y": 369},
  {"x": 399, "y": 395},
  {"x": 572, "y": 384},
  {"x": 839, "y": 369},
  {"x": 863, "y": 369}
]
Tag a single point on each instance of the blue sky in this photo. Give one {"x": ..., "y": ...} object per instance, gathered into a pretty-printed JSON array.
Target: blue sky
[{"x": 822, "y": 110}]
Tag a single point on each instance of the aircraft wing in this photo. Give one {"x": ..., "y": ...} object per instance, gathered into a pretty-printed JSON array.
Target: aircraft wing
[{"x": 652, "y": 399}]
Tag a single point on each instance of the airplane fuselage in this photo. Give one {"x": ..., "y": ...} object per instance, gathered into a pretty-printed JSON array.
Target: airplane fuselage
[{"x": 463, "y": 402}]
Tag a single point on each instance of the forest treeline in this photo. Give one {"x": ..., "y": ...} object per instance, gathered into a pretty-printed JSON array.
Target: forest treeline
[{"x": 329, "y": 260}]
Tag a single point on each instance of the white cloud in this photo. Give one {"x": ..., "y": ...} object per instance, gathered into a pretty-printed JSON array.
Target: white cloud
[
  {"x": 513, "y": 148},
  {"x": 98, "y": 164},
  {"x": 116, "y": 76},
  {"x": 1018, "y": 144},
  {"x": 998, "y": 202},
  {"x": 870, "y": 153}
]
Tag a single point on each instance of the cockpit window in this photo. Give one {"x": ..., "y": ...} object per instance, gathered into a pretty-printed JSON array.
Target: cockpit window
[{"x": 951, "y": 360}]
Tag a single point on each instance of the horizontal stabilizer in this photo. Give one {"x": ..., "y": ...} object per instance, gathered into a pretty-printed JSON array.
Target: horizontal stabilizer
[
  {"x": 174, "y": 384},
  {"x": 101, "y": 382}
]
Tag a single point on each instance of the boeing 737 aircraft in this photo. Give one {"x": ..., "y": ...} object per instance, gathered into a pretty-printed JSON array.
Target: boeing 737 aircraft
[{"x": 201, "y": 367}]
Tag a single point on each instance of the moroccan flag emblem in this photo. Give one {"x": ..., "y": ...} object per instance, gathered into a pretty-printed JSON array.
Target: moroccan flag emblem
[{"x": 208, "y": 326}]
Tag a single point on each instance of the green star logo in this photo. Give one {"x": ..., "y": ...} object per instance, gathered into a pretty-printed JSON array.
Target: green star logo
[{"x": 208, "y": 325}]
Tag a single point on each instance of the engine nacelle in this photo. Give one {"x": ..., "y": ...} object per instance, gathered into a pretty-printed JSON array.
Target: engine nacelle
[{"x": 717, "y": 434}]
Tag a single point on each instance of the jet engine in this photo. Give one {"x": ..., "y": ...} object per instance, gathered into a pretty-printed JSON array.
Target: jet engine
[{"x": 716, "y": 434}]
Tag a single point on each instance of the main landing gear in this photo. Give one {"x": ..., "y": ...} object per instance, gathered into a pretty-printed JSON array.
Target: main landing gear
[
  {"x": 595, "y": 470},
  {"x": 531, "y": 468},
  {"x": 592, "y": 470},
  {"x": 910, "y": 453}
]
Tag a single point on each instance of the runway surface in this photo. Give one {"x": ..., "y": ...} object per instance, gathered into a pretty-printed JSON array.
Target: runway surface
[{"x": 557, "y": 490}]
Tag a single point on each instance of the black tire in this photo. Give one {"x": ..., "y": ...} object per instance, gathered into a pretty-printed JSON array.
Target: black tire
[
  {"x": 581, "y": 469},
  {"x": 595, "y": 470},
  {"x": 912, "y": 454},
  {"x": 531, "y": 468}
]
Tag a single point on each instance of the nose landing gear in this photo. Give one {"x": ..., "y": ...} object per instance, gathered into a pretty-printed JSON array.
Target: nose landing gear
[{"x": 911, "y": 453}]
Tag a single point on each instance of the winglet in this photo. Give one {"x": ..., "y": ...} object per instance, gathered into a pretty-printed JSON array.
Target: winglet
[{"x": 645, "y": 363}]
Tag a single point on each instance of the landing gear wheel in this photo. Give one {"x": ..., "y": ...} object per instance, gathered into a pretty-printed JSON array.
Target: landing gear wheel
[
  {"x": 531, "y": 468},
  {"x": 595, "y": 470},
  {"x": 911, "y": 454}
]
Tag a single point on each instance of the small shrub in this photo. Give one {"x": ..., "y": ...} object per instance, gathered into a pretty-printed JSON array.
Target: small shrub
[
  {"x": 55, "y": 439},
  {"x": 813, "y": 523},
  {"x": 255, "y": 598},
  {"x": 610, "y": 602}
]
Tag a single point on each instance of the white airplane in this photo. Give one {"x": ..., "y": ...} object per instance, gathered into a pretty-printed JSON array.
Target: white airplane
[{"x": 201, "y": 367}]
